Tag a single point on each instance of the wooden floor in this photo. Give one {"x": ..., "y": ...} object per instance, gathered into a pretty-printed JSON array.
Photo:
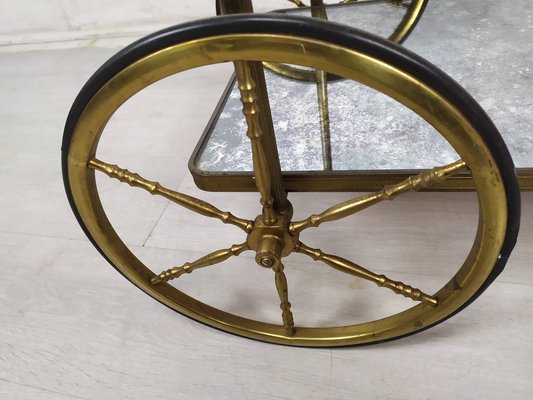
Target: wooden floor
[{"x": 72, "y": 328}]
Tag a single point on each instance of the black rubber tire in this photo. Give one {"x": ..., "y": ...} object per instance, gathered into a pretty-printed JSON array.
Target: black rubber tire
[{"x": 329, "y": 32}]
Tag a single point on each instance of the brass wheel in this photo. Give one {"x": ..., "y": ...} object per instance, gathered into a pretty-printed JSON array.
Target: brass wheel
[{"x": 273, "y": 235}]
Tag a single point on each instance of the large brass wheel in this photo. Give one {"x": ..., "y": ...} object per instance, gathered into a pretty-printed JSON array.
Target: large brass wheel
[{"x": 274, "y": 235}]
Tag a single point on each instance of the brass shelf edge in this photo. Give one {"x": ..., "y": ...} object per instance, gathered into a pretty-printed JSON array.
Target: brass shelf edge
[{"x": 339, "y": 181}]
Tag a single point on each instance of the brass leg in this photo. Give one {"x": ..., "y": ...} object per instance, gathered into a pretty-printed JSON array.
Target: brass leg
[
  {"x": 252, "y": 112},
  {"x": 323, "y": 110},
  {"x": 256, "y": 108},
  {"x": 319, "y": 11}
]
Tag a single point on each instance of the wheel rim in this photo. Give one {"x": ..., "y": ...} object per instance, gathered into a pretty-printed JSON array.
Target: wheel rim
[{"x": 335, "y": 59}]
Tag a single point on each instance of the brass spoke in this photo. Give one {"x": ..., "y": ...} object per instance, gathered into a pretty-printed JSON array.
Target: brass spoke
[
  {"x": 189, "y": 202},
  {"x": 351, "y": 268},
  {"x": 265, "y": 157},
  {"x": 349, "y": 207},
  {"x": 283, "y": 292},
  {"x": 215, "y": 257}
]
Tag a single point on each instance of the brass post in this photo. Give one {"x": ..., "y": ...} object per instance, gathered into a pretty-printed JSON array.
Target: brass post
[
  {"x": 268, "y": 138},
  {"x": 319, "y": 11}
]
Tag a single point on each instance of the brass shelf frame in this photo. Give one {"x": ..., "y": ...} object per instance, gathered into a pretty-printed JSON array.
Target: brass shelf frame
[{"x": 323, "y": 180}]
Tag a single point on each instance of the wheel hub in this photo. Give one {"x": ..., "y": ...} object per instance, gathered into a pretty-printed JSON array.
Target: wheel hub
[{"x": 272, "y": 242}]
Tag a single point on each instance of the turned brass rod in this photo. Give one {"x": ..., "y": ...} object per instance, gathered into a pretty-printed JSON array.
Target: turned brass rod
[
  {"x": 323, "y": 109},
  {"x": 213, "y": 258},
  {"x": 256, "y": 76},
  {"x": 283, "y": 292},
  {"x": 268, "y": 140},
  {"x": 351, "y": 268},
  {"x": 349, "y": 207},
  {"x": 251, "y": 111},
  {"x": 189, "y": 202}
]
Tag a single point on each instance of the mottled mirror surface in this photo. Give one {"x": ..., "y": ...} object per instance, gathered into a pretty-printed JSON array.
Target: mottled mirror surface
[{"x": 487, "y": 48}]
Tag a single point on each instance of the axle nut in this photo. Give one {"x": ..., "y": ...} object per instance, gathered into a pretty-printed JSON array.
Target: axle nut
[
  {"x": 269, "y": 251},
  {"x": 267, "y": 262}
]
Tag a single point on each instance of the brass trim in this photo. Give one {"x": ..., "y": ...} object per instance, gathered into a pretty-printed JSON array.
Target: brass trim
[{"x": 338, "y": 181}]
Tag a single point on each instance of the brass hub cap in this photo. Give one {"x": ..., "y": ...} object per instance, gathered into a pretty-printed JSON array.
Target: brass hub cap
[{"x": 271, "y": 242}]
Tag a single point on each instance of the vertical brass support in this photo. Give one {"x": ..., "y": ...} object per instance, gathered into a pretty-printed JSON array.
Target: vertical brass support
[
  {"x": 256, "y": 76},
  {"x": 251, "y": 111},
  {"x": 319, "y": 11},
  {"x": 323, "y": 109},
  {"x": 268, "y": 139}
]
